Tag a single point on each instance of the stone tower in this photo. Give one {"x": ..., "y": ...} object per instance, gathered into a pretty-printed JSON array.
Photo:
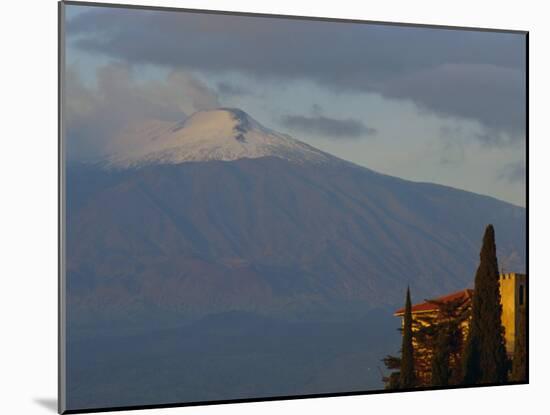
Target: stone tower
[{"x": 513, "y": 297}]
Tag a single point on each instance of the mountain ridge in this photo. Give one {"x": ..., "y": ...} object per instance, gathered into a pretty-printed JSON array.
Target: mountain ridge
[
  {"x": 268, "y": 235},
  {"x": 132, "y": 149}
]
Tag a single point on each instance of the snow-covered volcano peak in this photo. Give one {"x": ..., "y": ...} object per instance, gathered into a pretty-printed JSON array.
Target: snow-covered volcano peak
[
  {"x": 221, "y": 134},
  {"x": 220, "y": 123}
]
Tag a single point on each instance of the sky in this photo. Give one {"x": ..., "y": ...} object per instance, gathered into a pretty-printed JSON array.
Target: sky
[{"x": 424, "y": 104}]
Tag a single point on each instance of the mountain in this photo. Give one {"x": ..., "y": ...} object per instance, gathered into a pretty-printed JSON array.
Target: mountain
[
  {"x": 217, "y": 213},
  {"x": 217, "y": 259},
  {"x": 225, "y": 134}
]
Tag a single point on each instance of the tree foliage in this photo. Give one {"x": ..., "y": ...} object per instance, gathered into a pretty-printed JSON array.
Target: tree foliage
[
  {"x": 485, "y": 360},
  {"x": 439, "y": 339},
  {"x": 441, "y": 371},
  {"x": 519, "y": 365},
  {"x": 392, "y": 363},
  {"x": 407, "y": 378}
]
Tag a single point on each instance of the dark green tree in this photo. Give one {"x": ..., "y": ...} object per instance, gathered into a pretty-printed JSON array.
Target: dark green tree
[
  {"x": 485, "y": 358},
  {"x": 407, "y": 377},
  {"x": 392, "y": 363},
  {"x": 519, "y": 364},
  {"x": 441, "y": 371},
  {"x": 439, "y": 342}
]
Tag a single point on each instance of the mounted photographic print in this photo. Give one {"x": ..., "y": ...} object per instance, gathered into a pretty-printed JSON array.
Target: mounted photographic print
[{"x": 258, "y": 207}]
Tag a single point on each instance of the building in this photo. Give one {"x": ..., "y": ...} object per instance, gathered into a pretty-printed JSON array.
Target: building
[
  {"x": 457, "y": 306},
  {"x": 453, "y": 310},
  {"x": 513, "y": 297}
]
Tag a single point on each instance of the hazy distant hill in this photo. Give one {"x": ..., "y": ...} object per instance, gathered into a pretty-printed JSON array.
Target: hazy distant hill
[{"x": 232, "y": 355}]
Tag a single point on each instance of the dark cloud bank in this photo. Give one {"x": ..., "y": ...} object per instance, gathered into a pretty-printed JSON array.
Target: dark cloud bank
[{"x": 475, "y": 75}]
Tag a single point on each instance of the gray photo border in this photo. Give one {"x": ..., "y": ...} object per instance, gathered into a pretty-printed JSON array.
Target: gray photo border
[{"x": 62, "y": 334}]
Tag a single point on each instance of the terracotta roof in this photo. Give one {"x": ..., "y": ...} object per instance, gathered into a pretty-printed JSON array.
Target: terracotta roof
[{"x": 429, "y": 306}]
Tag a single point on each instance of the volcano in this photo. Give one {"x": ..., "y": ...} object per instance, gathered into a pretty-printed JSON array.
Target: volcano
[{"x": 217, "y": 213}]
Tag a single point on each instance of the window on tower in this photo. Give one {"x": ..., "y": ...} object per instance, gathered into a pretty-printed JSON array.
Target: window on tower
[{"x": 521, "y": 294}]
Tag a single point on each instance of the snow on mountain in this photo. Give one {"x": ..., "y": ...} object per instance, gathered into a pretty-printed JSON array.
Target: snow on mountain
[{"x": 221, "y": 134}]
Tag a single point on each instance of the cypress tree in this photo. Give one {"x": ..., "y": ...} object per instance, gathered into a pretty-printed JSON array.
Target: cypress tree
[
  {"x": 406, "y": 374},
  {"x": 519, "y": 364},
  {"x": 471, "y": 367},
  {"x": 440, "y": 360},
  {"x": 485, "y": 358}
]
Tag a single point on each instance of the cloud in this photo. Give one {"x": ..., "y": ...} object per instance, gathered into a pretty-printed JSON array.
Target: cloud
[
  {"x": 329, "y": 127},
  {"x": 95, "y": 115},
  {"x": 491, "y": 94},
  {"x": 475, "y": 75},
  {"x": 513, "y": 172},
  {"x": 317, "y": 109},
  {"x": 225, "y": 88}
]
